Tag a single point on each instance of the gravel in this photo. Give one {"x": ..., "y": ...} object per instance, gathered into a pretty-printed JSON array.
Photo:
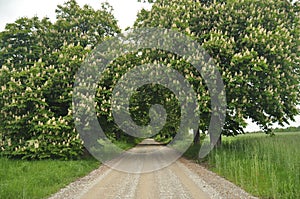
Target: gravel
[
  {"x": 217, "y": 186},
  {"x": 181, "y": 179}
]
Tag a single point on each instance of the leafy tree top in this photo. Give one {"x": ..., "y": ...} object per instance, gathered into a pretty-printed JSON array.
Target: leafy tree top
[{"x": 256, "y": 47}]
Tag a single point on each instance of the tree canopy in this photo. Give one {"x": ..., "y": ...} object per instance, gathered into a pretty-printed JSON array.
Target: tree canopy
[
  {"x": 39, "y": 60},
  {"x": 256, "y": 48}
]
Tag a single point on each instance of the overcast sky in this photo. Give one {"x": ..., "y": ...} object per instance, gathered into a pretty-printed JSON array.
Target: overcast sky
[{"x": 124, "y": 10}]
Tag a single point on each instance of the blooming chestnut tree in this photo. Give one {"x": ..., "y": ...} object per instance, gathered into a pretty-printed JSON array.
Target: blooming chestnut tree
[
  {"x": 255, "y": 45},
  {"x": 39, "y": 61}
]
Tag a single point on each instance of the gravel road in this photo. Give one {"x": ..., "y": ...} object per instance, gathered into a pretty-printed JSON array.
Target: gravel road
[{"x": 151, "y": 175}]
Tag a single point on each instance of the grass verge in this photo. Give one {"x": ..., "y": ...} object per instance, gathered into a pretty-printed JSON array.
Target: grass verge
[
  {"x": 267, "y": 167},
  {"x": 39, "y": 179}
]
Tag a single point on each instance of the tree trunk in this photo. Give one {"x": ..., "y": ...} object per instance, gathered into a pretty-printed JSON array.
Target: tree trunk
[
  {"x": 216, "y": 140},
  {"x": 117, "y": 134},
  {"x": 196, "y": 136},
  {"x": 219, "y": 142}
]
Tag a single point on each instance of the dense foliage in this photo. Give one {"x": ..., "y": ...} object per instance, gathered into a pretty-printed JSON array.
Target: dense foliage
[
  {"x": 38, "y": 63},
  {"x": 256, "y": 47}
]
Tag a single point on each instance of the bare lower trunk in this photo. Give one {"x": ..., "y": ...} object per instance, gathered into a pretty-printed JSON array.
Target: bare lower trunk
[
  {"x": 219, "y": 142},
  {"x": 196, "y": 136},
  {"x": 216, "y": 141}
]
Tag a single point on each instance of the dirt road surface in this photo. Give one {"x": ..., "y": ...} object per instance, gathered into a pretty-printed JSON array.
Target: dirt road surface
[{"x": 150, "y": 175}]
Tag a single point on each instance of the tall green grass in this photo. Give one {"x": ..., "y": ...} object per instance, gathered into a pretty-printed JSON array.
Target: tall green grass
[
  {"x": 267, "y": 167},
  {"x": 39, "y": 179}
]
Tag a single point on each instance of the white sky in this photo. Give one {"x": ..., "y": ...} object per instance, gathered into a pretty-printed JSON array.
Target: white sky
[{"x": 124, "y": 10}]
